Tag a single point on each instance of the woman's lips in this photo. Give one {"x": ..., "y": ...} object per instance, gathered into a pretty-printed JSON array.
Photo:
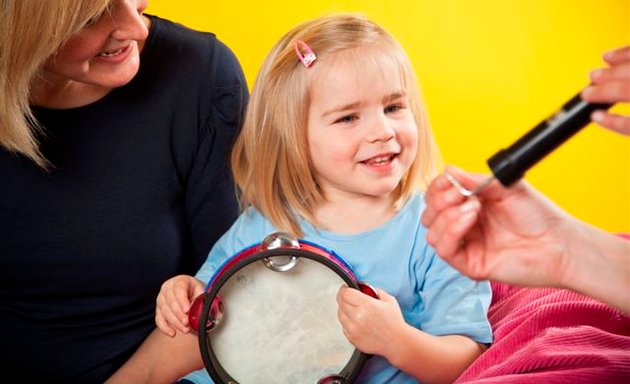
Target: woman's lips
[{"x": 115, "y": 55}]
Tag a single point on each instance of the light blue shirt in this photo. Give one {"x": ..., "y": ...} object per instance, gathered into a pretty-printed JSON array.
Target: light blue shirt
[{"x": 395, "y": 257}]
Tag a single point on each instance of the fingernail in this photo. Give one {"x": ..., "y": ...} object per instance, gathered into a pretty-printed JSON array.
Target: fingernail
[
  {"x": 467, "y": 217},
  {"x": 597, "y": 74},
  {"x": 470, "y": 205},
  {"x": 609, "y": 55},
  {"x": 587, "y": 92},
  {"x": 452, "y": 196},
  {"x": 598, "y": 116},
  {"x": 441, "y": 182}
]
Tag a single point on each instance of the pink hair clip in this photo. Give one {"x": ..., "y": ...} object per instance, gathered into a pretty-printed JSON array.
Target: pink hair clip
[{"x": 304, "y": 53}]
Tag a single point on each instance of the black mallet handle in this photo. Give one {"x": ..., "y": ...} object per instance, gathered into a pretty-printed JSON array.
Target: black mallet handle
[{"x": 509, "y": 165}]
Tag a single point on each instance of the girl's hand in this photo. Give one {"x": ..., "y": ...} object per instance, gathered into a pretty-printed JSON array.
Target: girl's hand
[
  {"x": 369, "y": 324},
  {"x": 173, "y": 303}
]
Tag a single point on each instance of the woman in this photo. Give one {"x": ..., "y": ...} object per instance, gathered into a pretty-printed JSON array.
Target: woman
[{"x": 114, "y": 139}]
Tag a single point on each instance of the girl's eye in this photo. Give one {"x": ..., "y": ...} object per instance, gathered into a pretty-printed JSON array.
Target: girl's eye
[
  {"x": 346, "y": 119},
  {"x": 393, "y": 108}
]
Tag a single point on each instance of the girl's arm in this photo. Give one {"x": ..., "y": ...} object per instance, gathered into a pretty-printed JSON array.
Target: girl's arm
[
  {"x": 432, "y": 359},
  {"x": 377, "y": 326}
]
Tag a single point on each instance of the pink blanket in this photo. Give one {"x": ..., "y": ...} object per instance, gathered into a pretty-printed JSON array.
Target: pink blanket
[{"x": 545, "y": 335}]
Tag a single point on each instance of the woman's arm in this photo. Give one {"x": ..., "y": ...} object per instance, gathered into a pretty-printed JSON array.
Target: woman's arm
[{"x": 160, "y": 359}]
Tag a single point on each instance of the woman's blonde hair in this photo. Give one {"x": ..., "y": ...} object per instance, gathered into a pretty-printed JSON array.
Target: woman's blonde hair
[
  {"x": 32, "y": 31},
  {"x": 270, "y": 158}
]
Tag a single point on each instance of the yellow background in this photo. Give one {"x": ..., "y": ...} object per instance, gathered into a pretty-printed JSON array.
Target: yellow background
[{"x": 490, "y": 70}]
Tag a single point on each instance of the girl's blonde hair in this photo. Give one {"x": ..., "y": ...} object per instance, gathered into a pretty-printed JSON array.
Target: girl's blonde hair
[
  {"x": 32, "y": 31},
  {"x": 270, "y": 159}
]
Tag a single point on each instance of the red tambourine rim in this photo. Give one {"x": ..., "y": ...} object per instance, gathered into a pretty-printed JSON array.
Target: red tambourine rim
[{"x": 248, "y": 256}]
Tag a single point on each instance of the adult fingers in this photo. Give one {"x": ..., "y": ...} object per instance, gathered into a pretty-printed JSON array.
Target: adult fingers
[
  {"x": 616, "y": 72},
  {"x": 438, "y": 204},
  {"x": 608, "y": 92},
  {"x": 440, "y": 195},
  {"x": 612, "y": 121},
  {"x": 447, "y": 234},
  {"x": 468, "y": 180},
  {"x": 618, "y": 55}
]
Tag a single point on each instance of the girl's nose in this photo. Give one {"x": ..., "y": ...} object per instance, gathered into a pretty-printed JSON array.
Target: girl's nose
[
  {"x": 381, "y": 130},
  {"x": 128, "y": 21}
]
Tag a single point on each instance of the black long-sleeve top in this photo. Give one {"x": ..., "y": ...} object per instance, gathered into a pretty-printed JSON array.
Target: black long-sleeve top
[{"x": 140, "y": 191}]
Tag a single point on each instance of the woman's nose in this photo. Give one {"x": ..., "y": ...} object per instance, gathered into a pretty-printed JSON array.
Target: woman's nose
[{"x": 128, "y": 22}]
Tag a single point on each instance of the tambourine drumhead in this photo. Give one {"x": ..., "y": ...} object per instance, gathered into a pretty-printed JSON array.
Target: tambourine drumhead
[
  {"x": 279, "y": 327},
  {"x": 277, "y": 321}
]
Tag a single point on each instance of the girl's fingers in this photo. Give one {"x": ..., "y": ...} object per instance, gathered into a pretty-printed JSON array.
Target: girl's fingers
[
  {"x": 349, "y": 297},
  {"x": 171, "y": 314},
  {"x": 163, "y": 325}
]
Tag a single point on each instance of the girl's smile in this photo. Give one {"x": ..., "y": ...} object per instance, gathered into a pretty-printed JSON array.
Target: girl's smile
[
  {"x": 381, "y": 162},
  {"x": 362, "y": 135}
]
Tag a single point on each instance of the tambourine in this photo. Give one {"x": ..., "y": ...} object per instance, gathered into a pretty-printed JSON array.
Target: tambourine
[{"x": 269, "y": 315}]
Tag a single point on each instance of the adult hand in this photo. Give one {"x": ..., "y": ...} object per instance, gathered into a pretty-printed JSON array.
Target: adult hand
[
  {"x": 514, "y": 235},
  {"x": 611, "y": 85}
]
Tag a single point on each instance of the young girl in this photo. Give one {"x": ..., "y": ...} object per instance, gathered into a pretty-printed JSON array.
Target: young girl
[{"x": 334, "y": 149}]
